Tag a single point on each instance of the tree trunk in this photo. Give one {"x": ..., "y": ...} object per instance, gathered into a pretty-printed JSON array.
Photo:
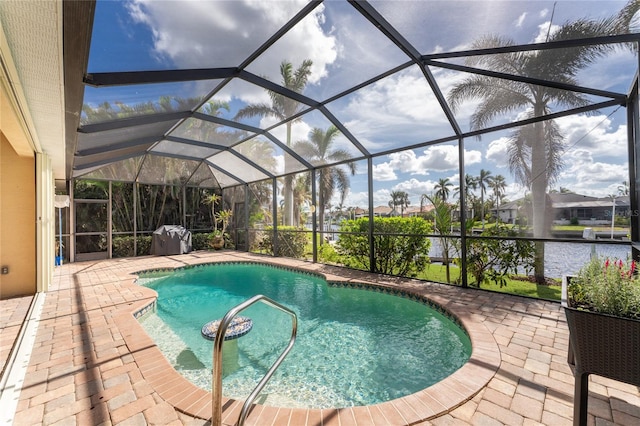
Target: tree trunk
[
  {"x": 288, "y": 185},
  {"x": 321, "y": 212},
  {"x": 539, "y": 197}
]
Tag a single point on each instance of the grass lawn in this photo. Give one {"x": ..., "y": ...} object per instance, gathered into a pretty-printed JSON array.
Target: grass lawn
[
  {"x": 595, "y": 228},
  {"x": 437, "y": 272}
]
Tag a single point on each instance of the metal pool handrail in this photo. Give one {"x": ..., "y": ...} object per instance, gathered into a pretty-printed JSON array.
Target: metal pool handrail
[{"x": 216, "y": 383}]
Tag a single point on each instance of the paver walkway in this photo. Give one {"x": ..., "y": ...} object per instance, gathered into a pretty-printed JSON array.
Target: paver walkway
[
  {"x": 83, "y": 372},
  {"x": 12, "y": 315}
]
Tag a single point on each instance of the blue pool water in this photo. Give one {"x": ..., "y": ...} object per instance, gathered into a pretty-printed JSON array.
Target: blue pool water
[{"x": 354, "y": 346}]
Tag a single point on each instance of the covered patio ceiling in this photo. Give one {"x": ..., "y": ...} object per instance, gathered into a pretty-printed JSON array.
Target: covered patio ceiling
[{"x": 195, "y": 96}]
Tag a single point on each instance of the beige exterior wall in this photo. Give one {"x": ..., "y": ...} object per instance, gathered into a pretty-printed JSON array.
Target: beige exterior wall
[{"x": 17, "y": 221}]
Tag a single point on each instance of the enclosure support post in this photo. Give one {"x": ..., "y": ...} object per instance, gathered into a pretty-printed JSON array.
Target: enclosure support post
[
  {"x": 274, "y": 191},
  {"x": 463, "y": 216},
  {"x": 314, "y": 226},
  {"x": 246, "y": 219},
  {"x": 134, "y": 188},
  {"x": 110, "y": 224},
  {"x": 372, "y": 255},
  {"x": 633, "y": 143}
]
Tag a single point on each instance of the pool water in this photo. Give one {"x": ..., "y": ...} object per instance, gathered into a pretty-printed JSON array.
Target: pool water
[{"x": 354, "y": 346}]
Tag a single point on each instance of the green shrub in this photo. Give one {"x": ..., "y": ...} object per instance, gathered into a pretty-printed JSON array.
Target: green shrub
[
  {"x": 327, "y": 254},
  {"x": 123, "y": 246},
  {"x": 400, "y": 245},
  {"x": 291, "y": 241},
  {"x": 493, "y": 259},
  {"x": 574, "y": 221},
  {"x": 200, "y": 241},
  {"x": 622, "y": 221}
]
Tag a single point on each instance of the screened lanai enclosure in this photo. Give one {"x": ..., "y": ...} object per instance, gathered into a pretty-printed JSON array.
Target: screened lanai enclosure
[{"x": 453, "y": 141}]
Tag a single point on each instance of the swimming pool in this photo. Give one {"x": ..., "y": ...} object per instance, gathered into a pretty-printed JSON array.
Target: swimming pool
[{"x": 354, "y": 346}]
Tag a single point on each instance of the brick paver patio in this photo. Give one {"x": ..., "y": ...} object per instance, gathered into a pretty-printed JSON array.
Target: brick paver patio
[
  {"x": 12, "y": 316},
  {"x": 89, "y": 367}
]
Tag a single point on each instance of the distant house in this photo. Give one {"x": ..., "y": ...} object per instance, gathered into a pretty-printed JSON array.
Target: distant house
[
  {"x": 508, "y": 212},
  {"x": 358, "y": 213},
  {"x": 384, "y": 211},
  {"x": 565, "y": 207},
  {"x": 412, "y": 211},
  {"x": 586, "y": 208}
]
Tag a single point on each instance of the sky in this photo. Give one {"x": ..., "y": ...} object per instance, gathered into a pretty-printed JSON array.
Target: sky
[{"x": 397, "y": 111}]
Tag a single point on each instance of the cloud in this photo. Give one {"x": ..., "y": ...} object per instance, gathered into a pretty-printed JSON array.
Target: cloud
[
  {"x": 224, "y": 33},
  {"x": 433, "y": 159},
  {"x": 520, "y": 20},
  {"x": 415, "y": 188},
  {"x": 497, "y": 151},
  {"x": 396, "y": 111},
  {"x": 598, "y": 178},
  {"x": 383, "y": 172},
  {"x": 307, "y": 40},
  {"x": 586, "y": 174},
  {"x": 545, "y": 30},
  {"x": 279, "y": 163},
  {"x": 299, "y": 130},
  {"x": 595, "y": 134}
]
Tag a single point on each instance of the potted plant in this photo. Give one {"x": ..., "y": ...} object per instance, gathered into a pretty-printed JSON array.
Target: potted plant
[
  {"x": 602, "y": 305},
  {"x": 219, "y": 237},
  {"x": 216, "y": 239}
]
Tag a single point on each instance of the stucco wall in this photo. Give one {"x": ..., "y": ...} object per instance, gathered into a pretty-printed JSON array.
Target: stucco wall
[{"x": 17, "y": 222}]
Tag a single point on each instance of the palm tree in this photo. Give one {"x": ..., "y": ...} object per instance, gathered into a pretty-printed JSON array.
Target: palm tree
[
  {"x": 498, "y": 184},
  {"x": 535, "y": 150},
  {"x": 442, "y": 225},
  {"x": 423, "y": 199},
  {"x": 623, "y": 189},
  {"x": 470, "y": 184},
  {"x": 442, "y": 188},
  {"x": 318, "y": 151},
  {"x": 483, "y": 181},
  {"x": 404, "y": 202},
  {"x": 301, "y": 197},
  {"x": 399, "y": 198},
  {"x": 282, "y": 108}
]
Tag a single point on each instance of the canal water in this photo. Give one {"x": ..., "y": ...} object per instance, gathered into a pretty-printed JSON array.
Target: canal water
[{"x": 563, "y": 258}]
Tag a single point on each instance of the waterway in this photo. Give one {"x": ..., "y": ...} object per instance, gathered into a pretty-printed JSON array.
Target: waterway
[{"x": 563, "y": 258}]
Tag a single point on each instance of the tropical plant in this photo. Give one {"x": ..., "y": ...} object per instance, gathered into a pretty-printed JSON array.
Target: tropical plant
[
  {"x": 219, "y": 238},
  {"x": 282, "y": 108},
  {"x": 212, "y": 200},
  {"x": 224, "y": 217},
  {"x": 535, "y": 150},
  {"x": 442, "y": 225},
  {"x": 423, "y": 201},
  {"x": 318, "y": 150}
]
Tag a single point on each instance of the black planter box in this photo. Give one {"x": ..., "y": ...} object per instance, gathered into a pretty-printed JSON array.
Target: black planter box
[{"x": 600, "y": 344}]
